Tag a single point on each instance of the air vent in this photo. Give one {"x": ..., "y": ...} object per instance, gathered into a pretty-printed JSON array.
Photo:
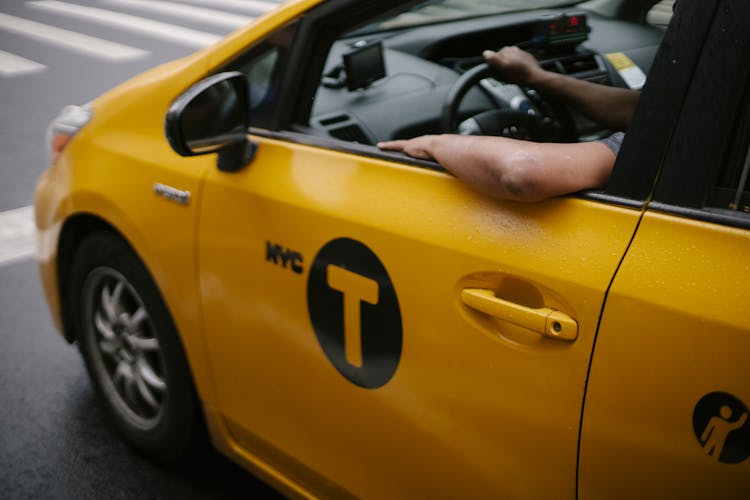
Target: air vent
[
  {"x": 576, "y": 65},
  {"x": 343, "y": 126},
  {"x": 579, "y": 65},
  {"x": 352, "y": 133},
  {"x": 331, "y": 120}
]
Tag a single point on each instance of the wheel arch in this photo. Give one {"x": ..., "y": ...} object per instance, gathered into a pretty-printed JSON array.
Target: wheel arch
[{"x": 74, "y": 230}]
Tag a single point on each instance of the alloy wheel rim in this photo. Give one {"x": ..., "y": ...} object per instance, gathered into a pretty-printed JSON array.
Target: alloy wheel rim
[{"x": 126, "y": 352}]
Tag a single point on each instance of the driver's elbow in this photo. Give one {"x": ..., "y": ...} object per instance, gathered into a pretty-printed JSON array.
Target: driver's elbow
[{"x": 518, "y": 180}]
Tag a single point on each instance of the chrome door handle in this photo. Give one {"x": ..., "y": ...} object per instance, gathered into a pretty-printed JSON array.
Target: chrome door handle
[{"x": 545, "y": 321}]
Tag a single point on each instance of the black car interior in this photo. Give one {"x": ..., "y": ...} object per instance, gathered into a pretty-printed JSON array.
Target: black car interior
[{"x": 399, "y": 83}]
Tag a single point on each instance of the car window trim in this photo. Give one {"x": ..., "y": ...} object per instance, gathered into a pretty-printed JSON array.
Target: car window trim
[
  {"x": 342, "y": 146},
  {"x": 724, "y": 217},
  {"x": 602, "y": 196}
]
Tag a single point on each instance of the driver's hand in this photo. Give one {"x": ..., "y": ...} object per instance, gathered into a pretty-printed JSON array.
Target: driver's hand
[
  {"x": 418, "y": 147},
  {"x": 514, "y": 65}
]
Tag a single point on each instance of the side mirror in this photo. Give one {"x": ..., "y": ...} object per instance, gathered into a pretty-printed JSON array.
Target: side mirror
[{"x": 213, "y": 116}]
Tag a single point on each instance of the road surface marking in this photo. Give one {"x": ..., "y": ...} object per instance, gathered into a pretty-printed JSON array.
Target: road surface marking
[
  {"x": 11, "y": 65},
  {"x": 249, "y": 6},
  {"x": 170, "y": 32},
  {"x": 16, "y": 234},
  {"x": 223, "y": 19},
  {"x": 89, "y": 45}
]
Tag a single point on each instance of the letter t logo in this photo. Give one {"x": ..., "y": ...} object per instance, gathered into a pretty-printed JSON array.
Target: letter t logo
[{"x": 356, "y": 289}]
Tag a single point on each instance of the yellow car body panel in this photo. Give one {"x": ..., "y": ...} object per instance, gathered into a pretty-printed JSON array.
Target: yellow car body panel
[
  {"x": 474, "y": 400},
  {"x": 681, "y": 323}
]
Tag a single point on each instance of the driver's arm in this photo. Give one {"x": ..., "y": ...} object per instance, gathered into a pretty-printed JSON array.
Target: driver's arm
[
  {"x": 511, "y": 169},
  {"x": 611, "y": 107}
]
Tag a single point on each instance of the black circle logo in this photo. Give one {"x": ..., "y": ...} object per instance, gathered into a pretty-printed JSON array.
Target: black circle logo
[
  {"x": 355, "y": 313},
  {"x": 720, "y": 424}
]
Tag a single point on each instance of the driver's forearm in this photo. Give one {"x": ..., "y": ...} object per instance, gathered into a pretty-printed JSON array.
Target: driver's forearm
[
  {"x": 519, "y": 170},
  {"x": 491, "y": 165},
  {"x": 611, "y": 107}
]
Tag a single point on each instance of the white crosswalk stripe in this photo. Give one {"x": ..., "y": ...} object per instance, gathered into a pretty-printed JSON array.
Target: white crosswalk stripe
[
  {"x": 16, "y": 234},
  {"x": 248, "y": 6},
  {"x": 225, "y": 15},
  {"x": 70, "y": 39},
  {"x": 223, "y": 19},
  {"x": 186, "y": 36},
  {"x": 11, "y": 64}
]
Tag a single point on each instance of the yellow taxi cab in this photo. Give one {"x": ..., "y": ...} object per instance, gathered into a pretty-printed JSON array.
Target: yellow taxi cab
[{"x": 232, "y": 252}]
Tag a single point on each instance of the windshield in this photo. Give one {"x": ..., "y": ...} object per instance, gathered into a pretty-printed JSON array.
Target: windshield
[{"x": 433, "y": 11}]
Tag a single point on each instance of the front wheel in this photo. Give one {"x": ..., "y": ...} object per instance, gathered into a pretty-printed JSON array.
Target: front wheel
[{"x": 132, "y": 350}]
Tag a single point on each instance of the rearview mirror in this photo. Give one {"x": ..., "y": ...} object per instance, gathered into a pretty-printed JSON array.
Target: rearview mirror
[{"x": 213, "y": 116}]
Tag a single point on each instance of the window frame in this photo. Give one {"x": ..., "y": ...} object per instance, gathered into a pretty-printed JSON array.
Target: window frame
[{"x": 643, "y": 151}]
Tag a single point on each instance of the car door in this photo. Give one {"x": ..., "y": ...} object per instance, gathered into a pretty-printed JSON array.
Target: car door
[
  {"x": 348, "y": 309},
  {"x": 666, "y": 412},
  {"x": 377, "y": 329}
]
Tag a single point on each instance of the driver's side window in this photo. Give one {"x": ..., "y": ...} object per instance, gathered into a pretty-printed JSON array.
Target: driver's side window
[{"x": 263, "y": 66}]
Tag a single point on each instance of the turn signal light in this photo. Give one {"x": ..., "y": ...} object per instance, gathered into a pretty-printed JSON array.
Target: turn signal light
[{"x": 62, "y": 129}]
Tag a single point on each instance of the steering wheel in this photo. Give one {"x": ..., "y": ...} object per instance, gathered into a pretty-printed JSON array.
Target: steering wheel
[{"x": 553, "y": 125}]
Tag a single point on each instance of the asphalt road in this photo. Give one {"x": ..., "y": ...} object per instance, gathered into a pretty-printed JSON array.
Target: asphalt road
[{"x": 55, "y": 441}]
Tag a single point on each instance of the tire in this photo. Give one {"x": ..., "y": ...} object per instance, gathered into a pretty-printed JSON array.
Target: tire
[{"x": 132, "y": 350}]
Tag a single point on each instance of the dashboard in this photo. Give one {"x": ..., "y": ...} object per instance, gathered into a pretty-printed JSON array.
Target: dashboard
[{"x": 422, "y": 64}]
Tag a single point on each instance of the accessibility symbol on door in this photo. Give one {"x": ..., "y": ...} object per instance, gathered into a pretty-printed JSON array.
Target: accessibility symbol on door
[
  {"x": 355, "y": 313},
  {"x": 721, "y": 426}
]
